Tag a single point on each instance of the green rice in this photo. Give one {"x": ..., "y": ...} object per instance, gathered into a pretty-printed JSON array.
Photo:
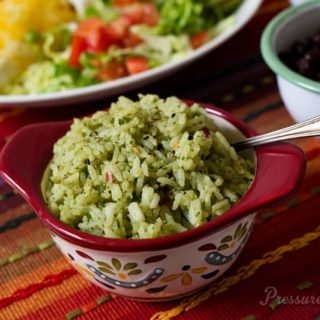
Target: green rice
[{"x": 144, "y": 169}]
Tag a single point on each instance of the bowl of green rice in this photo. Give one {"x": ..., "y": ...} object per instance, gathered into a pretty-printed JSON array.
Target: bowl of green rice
[{"x": 148, "y": 199}]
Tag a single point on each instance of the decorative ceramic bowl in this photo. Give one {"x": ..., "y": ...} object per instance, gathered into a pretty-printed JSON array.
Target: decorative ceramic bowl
[
  {"x": 163, "y": 268},
  {"x": 300, "y": 95}
]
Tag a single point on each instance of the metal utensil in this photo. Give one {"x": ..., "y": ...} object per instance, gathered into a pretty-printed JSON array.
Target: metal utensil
[{"x": 309, "y": 128}]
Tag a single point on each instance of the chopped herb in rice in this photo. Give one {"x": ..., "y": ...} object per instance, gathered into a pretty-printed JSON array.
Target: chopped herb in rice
[{"x": 144, "y": 169}]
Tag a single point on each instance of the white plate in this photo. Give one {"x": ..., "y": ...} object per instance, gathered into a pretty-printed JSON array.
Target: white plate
[{"x": 68, "y": 97}]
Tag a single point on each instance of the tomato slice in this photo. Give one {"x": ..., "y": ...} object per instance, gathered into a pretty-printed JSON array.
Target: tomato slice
[
  {"x": 150, "y": 14},
  {"x": 78, "y": 46},
  {"x": 117, "y": 30},
  {"x": 133, "y": 13},
  {"x": 90, "y": 36},
  {"x": 123, "y": 2},
  {"x": 93, "y": 31},
  {"x": 136, "y": 65},
  {"x": 199, "y": 39},
  {"x": 86, "y": 27},
  {"x": 131, "y": 40},
  {"x": 113, "y": 70},
  {"x": 139, "y": 13}
]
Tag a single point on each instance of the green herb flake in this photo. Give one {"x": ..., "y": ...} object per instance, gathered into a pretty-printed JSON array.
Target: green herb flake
[
  {"x": 315, "y": 191},
  {"x": 71, "y": 315},
  {"x": 275, "y": 303},
  {"x": 267, "y": 216},
  {"x": 304, "y": 285},
  {"x": 123, "y": 120},
  {"x": 251, "y": 317},
  {"x": 103, "y": 299},
  {"x": 293, "y": 203}
]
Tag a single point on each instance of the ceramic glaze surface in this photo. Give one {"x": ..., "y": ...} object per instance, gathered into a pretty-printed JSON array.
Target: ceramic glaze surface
[
  {"x": 301, "y": 103},
  {"x": 163, "y": 274}
]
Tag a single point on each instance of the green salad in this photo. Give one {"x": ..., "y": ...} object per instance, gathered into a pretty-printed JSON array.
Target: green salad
[{"x": 104, "y": 40}]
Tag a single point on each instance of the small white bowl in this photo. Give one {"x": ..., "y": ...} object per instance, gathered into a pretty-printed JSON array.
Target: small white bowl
[{"x": 301, "y": 95}]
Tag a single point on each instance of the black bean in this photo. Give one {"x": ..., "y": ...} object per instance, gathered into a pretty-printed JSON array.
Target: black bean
[
  {"x": 303, "y": 66},
  {"x": 299, "y": 48},
  {"x": 304, "y": 57},
  {"x": 316, "y": 39},
  {"x": 313, "y": 55}
]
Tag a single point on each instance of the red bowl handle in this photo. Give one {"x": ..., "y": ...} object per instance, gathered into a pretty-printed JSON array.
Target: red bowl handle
[
  {"x": 23, "y": 160},
  {"x": 279, "y": 174}
]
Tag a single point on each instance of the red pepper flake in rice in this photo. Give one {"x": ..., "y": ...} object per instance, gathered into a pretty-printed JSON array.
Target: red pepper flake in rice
[
  {"x": 166, "y": 199},
  {"x": 206, "y": 132},
  {"x": 109, "y": 177}
]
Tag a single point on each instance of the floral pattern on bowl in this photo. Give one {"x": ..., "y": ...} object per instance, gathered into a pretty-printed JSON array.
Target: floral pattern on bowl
[{"x": 169, "y": 273}]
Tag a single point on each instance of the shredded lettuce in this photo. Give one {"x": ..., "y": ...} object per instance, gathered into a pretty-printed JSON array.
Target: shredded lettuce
[
  {"x": 48, "y": 76},
  {"x": 192, "y": 16},
  {"x": 160, "y": 49},
  {"x": 46, "y": 67}
]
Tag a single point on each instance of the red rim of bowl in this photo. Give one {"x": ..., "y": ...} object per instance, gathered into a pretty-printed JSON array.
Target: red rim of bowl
[{"x": 243, "y": 207}]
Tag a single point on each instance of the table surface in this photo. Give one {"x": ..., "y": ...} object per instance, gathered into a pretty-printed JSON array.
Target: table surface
[{"x": 37, "y": 282}]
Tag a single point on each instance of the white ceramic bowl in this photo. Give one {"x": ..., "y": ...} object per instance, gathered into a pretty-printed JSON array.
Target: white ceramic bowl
[
  {"x": 120, "y": 86},
  {"x": 301, "y": 95}
]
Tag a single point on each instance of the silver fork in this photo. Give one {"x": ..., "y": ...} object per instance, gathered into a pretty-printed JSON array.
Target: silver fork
[{"x": 308, "y": 128}]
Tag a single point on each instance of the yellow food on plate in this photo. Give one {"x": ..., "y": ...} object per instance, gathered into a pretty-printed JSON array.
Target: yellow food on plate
[
  {"x": 19, "y": 16},
  {"x": 15, "y": 58}
]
